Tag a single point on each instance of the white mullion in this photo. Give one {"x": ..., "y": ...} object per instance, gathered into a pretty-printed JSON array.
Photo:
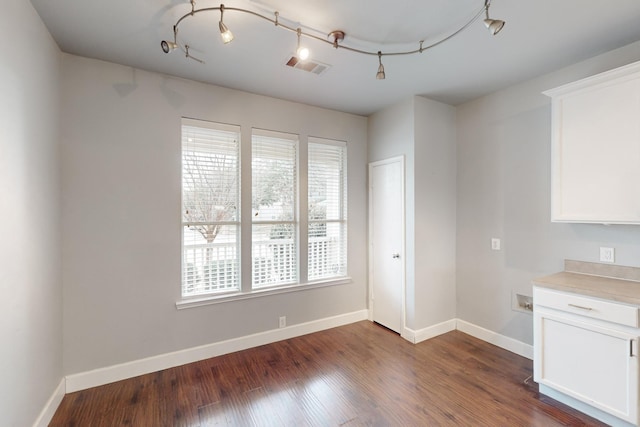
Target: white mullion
[
  {"x": 246, "y": 225},
  {"x": 196, "y": 223},
  {"x": 274, "y": 222},
  {"x": 297, "y": 196},
  {"x": 303, "y": 210}
]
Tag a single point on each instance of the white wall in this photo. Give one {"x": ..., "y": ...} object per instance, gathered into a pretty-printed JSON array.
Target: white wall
[
  {"x": 504, "y": 191},
  {"x": 424, "y": 132},
  {"x": 30, "y": 272},
  {"x": 121, "y": 214}
]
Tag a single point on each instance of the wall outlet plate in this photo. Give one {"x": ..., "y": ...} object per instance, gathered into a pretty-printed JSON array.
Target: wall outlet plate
[
  {"x": 607, "y": 254},
  {"x": 282, "y": 322}
]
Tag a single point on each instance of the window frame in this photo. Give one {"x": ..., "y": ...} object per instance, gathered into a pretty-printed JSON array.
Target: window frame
[
  {"x": 283, "y": 139},
  {"x": 340, "y": 219},
  {"x": 219, "y": 127},
  {"x": 245, "y": 221}
]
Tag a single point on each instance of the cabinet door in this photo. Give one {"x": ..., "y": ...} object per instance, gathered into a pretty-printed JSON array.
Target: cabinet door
[
  {"x": 596, "y": 149},
  {"x": 596, "y": 365}
]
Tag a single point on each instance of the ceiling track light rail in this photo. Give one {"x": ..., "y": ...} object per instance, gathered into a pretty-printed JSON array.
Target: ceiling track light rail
[{"x": 334, "y": 38}]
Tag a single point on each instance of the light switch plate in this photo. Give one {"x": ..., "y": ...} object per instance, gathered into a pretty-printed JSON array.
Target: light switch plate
[{"x": 495, "y": 244}]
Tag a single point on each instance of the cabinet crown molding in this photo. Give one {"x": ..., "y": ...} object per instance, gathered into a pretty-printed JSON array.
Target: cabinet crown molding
[{"x": 615, "y": 75}]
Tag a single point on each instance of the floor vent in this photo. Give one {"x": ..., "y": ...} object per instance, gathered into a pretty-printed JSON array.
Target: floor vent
[{"x": 309, "y": 65}]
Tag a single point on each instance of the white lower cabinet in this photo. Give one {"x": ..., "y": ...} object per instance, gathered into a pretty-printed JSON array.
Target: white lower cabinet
[{"x": 580, "y": 352}]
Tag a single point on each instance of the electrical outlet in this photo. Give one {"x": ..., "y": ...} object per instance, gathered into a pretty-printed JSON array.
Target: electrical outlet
[
  {"x": 607, "y": 255},
  {"x": 283, "y": 321},
  {"x": 495, "y": 244}
]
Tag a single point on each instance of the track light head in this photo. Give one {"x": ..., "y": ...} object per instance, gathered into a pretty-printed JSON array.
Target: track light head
[
  {"x": 225, "y": 32},
  {"x": 380, "y": 75},
  {"x": 302, "y": 53},
  {"x": 494, "y": 25},
  {"x": 168, "y": 46}
]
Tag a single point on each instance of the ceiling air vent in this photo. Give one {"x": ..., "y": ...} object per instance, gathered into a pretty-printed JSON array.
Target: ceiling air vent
[{"x": 309, "y": 65}]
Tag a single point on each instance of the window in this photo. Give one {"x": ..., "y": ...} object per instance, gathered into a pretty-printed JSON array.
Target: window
[
  {"x": 327, "y": 209},
  {"x": 213, "y": 223},
  {"x": 210, "y": 207},
  {"x": 274, "y": 193}
]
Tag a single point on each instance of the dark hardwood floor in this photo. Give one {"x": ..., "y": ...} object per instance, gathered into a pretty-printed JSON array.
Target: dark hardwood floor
[{"x": 355, "y": 375}]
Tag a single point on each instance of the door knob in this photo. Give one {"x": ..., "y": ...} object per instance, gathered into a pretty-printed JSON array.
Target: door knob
[{"x": 395, "y": 256}]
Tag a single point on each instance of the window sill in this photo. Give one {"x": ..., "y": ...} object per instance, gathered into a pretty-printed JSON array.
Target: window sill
[{"x": 237, "y": 296}]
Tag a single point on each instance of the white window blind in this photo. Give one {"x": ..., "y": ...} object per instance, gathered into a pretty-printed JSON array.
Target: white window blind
[
  {"x": 327, "y": 209},
  {"x": 274, "y": 200},
  {"x": 210, "y": 208}
]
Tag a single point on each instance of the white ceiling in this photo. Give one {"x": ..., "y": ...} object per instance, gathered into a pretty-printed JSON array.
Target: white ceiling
[{"x": 540, "y": 36}]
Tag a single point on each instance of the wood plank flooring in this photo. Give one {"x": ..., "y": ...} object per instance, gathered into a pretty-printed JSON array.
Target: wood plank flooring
[{"x": 356, "y": 375}]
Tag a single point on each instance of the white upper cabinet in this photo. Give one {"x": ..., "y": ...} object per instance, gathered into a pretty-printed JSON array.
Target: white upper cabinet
[{"x": 595, "y": 153}]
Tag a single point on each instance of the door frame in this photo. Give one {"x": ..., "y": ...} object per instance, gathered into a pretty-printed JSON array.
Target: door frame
[{"x": 401, "y": 161}]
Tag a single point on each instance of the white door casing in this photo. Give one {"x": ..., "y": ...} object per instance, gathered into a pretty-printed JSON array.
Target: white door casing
[{"x": 387, "y": 243}]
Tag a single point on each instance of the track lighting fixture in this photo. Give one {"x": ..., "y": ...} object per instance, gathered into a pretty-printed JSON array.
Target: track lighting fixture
[
  {"x": 380, "y": 74},
  {"x": 168, "y": 46},
  {"x": 225, "y": 33},
  {"x": 301, "y": 52},
  {"x": 493, "y": 25},
  {"x": 334, "y": 38}
]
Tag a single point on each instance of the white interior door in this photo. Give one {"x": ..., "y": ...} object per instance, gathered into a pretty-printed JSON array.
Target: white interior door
[{"x": 386, "y": 240}]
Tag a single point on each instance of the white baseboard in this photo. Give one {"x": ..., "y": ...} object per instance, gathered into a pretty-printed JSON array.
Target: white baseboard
[
  {"x": 134, "y": 368},
  {"x": 430, "y": 332},
  {"x": 514, "y": 346},
  {"x": 51, "y": 406}
]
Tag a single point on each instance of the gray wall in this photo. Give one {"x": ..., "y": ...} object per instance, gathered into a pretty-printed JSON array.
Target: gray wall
[
  {"x": 30, "y": 272},
  {"x": 120, "y": 199},
  {"x": 423, "y": 131},
  {"x": 435, "y": 212},
  {"x": 121, "y": 213},
  {"x": 391, "y": 133},
  {"x": 504, "y": 191}
]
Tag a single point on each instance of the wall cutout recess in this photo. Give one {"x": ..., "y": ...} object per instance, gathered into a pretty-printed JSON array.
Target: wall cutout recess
[{"x": 522, "y": 303}]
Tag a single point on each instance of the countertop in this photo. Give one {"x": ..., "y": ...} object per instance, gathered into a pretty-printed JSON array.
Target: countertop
[{"x": 611, "y": 282}]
